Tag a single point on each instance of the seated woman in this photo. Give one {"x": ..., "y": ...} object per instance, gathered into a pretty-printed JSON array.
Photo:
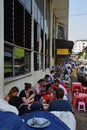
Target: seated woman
[
  {"x": 18, "y": 103},
  {"x": 13, "y": 92},
  {"x": 27, "y": 95},
  {"x": 59, "y": 104}
]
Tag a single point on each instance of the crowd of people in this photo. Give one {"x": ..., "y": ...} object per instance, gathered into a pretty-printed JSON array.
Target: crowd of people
[
  {"x": 31, "y": 97},
  {"x": 57, "y": 80}
]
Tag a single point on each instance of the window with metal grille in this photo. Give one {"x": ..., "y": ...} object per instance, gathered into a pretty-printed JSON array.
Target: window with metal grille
[
  {"x": 35, "y": 36},
  {"x": 8, "y": 20},
  {"x": 17, "y": 34},
  {"x": 18, "y": 23},
  {"x": 8, "y": 61},
  {"x": 27, "y": 30}
]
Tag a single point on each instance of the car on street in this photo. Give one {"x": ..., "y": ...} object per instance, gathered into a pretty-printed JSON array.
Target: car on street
[{"x": 82, "y": 73}]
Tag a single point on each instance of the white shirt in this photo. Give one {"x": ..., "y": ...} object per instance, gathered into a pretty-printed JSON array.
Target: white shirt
[
  {"x": 52, "y": 77},
  {"x": 5, "y": 106},
  {"x": 65, "y": 92},
  {"x": 37, "y": 88}
]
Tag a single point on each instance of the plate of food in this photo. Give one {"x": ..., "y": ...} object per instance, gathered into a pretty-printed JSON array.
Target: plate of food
[{"x": 38, "y": 122}]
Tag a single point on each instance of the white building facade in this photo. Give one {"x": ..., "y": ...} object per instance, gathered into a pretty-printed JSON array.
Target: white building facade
[
  {"x": 27, "y": 29},
  {"x": 79, "y": 45}
]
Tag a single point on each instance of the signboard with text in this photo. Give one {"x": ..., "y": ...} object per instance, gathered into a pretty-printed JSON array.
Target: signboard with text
[{"x": 62, "y": 51}]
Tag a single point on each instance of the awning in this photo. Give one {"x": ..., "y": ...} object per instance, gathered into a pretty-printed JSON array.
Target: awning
[{"x": 64, "y": 46}]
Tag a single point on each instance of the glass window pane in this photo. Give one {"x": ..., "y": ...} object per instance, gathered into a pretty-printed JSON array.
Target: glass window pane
[
  {"x": 39, "y": 16},
  {"x": 61, "y": 32},
  {"x": 18, "y": 23},
  {"x": 40, "y": 61},
  {"x": 35, "y": 11},
  {"x": 36, "y": 61},
  {"x": 8, "y": 20},
  {"x": 42, "y": 41},
  {"x": 35, "y": 36},
  {"x": 47, "y": 61},
  {"x": 22, "y": 1},
  {"x": 28, "y": 5},
  {"x": 41, "y": 21},
  {"x": 27, "y": 61},
  {"x": 39, "y": 43},
  {"x": 22, "y": 61},
  {"x": 8, "y": 61},
  {"x": 27, "y": 30},
  {"x": 46, "y": 45},
  {"x": 18, "y": 61}
]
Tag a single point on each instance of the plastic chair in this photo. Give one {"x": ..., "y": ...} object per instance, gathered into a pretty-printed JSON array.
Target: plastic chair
[
  {"x": 76, "y": 86},
  {"x": 84, "y": 90},
  {"x": 81, "y": 106}
]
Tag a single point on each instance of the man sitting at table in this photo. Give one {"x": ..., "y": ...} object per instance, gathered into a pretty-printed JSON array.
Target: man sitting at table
[
  {"x": 48, "y": 81},
  {"x": 57, "y": 83},
  {"x": 40, "y": 89},
  {"x": 59, "y": 104}
]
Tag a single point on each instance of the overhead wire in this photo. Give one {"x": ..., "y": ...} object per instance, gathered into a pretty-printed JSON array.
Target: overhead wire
[
  {"x": 77, "y": 14},
  {"x": 74, "y": 15}
]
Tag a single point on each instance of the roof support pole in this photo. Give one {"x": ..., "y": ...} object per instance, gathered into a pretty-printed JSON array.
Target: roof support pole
[
  {"x": 51, "y": 28},
  {"x": 1, "y": 48}
]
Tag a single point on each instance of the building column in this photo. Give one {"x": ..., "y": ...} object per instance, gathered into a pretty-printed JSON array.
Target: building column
[
  {"x": 51, "y": 29},
  {"x": 32, "y": 38},
  {"x": 56, "y": 28},
  {"x": 1, "y": 47},
  {"x": 44, "y": 34},
  {"x": 56, "y": 37}
]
